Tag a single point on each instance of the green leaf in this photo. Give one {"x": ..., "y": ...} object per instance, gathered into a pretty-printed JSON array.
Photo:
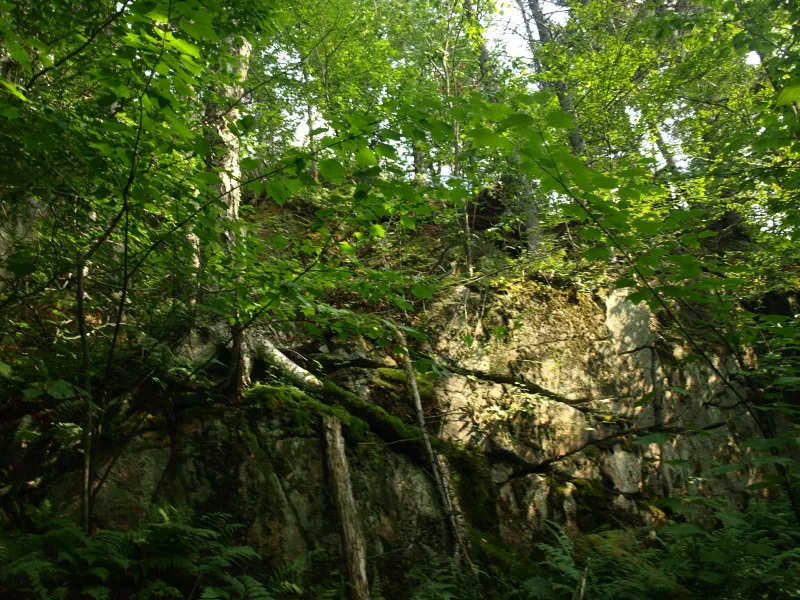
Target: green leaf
[
  {"x": 199, "y": 31},
  {"x": 560, "y": 119},
  {"x": 402, "y": 303},
  {"x": 659, "y": 437},
  {"x": 386, "y": 151},
  {"x": 604, "y": 182},
  {"x": 408, "y": 222},
  {"x": 101, "y": 572},
  {"x": 208, "y": 177},
  {"x": 332, "y": 169},
  {"x": 12, "y": 89},
  {"x": 21, "y": 264},
  {"x": 723, "y": 469},
  {"x": 159, "y": 15},
  {"x": 598, "y": 253},
  {"x": 766, "y": 443},
  {"x": 6, "y": 372},
  {"x": 788, "y": 95},
  {"x": 626, "y": 193},
  {"x": 201, "y": 146},
  {"x": 278, "y": 191},
  {"x": 591, "y": 234},
  {"x": 625, "y": 282},
  {"x": 185, "y": 47},
  {"x": 278, "y": 242},
  {"x": 250, "y": 164},
  {"x": 640, "y": 296},
  {"x": 366, "y": 157},
  {"x": 729, "y": 518},
  {"x": 772, "y": 460},
  {"x": 377, "y": 230},
  {"x": 519, "y": 121},
  {"x": 420, "y": 290},
  {"x": 18, "y": 54},
  {"x": 60, "y": 389},
  {"x": 483, "y": 137}
]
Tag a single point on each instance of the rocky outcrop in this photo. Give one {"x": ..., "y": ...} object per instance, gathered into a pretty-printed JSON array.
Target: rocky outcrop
[
  {"x": 551, "y": 406},
  {"x": 264, "y": 464},
  {"x": 588, "y": 412}
]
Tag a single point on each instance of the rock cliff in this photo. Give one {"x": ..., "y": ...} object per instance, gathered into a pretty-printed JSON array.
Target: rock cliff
[{"x": 551, "y": 405}]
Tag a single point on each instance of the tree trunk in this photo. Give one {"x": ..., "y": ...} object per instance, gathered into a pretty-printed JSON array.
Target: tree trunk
[
  {"x": 263, "y": 348},
  {"x": 460, "y": 548},
  {"x": 353, "y": 544},
  {"x": 226, "y": 161},
  {"x": 533, "y": 226},
  {"x": 564, "y": 100},
  {"x": 86, "y": 383}
]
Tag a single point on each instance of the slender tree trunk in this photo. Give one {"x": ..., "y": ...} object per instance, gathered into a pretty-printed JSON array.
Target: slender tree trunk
[
  {"x": 564, "y": 99},
  {"x": 312, "y": 147},
  {"x": 465, "y": 216},
  {"x": 460, "y": 548},
  {"x": 353, "y": 545},
  {"x": 420, "y": 176},
  {"x": 226, "y": 161},
  {"x": 533, "y": 227},
  {"x": 86, "y": 383}
]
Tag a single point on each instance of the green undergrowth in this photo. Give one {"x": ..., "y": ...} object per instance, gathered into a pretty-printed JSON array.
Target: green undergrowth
[
  {"x": 755, "y": 556},
  {"x": 165, "y": 555}
]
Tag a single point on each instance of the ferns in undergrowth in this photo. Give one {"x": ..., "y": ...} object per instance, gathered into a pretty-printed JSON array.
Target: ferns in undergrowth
[
  {"x": 437, "y": 577},
  {"x": 166, "y": 557},
  {"x": 754, "y": 555}
]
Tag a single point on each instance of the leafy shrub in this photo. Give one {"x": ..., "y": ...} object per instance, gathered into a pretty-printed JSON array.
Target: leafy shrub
[{"x": 755, "y": 555}]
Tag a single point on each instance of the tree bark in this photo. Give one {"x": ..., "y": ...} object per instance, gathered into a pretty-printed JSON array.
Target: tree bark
[{"x": 353, "y": 544}]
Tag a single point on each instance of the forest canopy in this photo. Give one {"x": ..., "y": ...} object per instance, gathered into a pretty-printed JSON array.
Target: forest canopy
[{"x": 328, "y": 170}]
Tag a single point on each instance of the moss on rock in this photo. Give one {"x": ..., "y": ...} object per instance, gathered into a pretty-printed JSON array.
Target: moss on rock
[
  {"x": 301, "y": 411},
  {"x": 388, "y": 427},
  {"x": 396, "y": 381},
  {"x": 477, "y": 493}
]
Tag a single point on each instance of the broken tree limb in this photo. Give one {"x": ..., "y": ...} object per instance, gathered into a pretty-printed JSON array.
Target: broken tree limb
[
  {"x": 460, "y": 547},
  {"x": 262, "y": 348},
  {"x": 353, "y": 545}
]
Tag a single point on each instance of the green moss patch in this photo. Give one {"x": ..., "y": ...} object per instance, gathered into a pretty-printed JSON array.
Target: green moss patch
[
  {"x": 390, "y": 428},
  {"x": 301, "y": 412},
  {"x": 390, "y": 389},
  {"x": 477, "y": 493}
]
